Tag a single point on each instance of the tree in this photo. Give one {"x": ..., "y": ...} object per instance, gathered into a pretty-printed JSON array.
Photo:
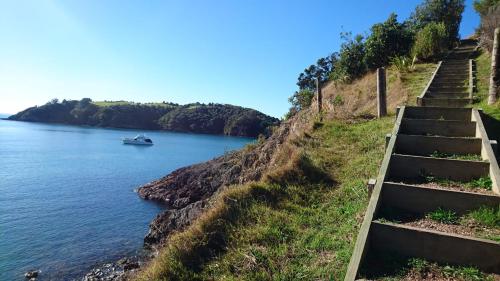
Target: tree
[
  {"x": 322, "y": 69},
  {"x": 449, "y": 12},
  {"x": 387, "y": 40},
  {"x": 85, "y": 101},
  {"x": 351, "y": 62},
  {"x": 489, "y": 10},
  {"x": 483, "y": 6}
]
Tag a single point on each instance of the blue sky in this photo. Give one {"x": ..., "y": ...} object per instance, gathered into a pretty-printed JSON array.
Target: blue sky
[{"x": 241, "y": 52}]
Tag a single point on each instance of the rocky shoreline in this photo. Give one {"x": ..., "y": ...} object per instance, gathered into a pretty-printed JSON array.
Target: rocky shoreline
[
  {"x": 115, "y": 271},
  {"x": 187, "y": 192}
]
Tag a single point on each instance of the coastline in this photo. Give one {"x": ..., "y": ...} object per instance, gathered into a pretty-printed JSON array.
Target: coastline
[
  {"x": 128, "y": 128},
  {"x": 187, "y": 192}
]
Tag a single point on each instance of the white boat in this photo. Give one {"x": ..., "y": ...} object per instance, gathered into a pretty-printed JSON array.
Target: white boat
[{"x": 139, "y": 139}]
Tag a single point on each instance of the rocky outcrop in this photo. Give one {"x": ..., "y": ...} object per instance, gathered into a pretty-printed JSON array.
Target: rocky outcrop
[
  {"x": 187, "y": 191},
  {"x": 172, "y": 219}
]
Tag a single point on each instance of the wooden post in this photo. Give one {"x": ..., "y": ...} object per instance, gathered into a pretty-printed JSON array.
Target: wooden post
[
  {"x": 320, "y": 95},
  {"x": 492, "y": 98},
  {"x": 381, "y": 93},
  {"x": 371, "y": 186},
  {"x": 387, "y": 139}
]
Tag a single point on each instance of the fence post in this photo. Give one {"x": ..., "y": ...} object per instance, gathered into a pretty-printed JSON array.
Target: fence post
[
  {"x": 381, "y": 93},
  {"x": 320, "y": 95},
  {"x": 492, "y": 97}
]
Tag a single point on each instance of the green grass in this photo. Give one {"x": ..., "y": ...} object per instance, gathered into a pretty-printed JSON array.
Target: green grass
[
  {"x": 468, "y": 157},
  {"x": 416, "y": 80},
  {"x": 483, "y": 64},
  {"x": 485, "y": 216},
  {"x": 305, "y": 230},
  {"x": 443, "y": 216},
  {"x": 467, "y": 273},
  {"x": 311, "y": 233},
  {"x": 482, "y": 183},
  {"x": 395, "y": 268}
]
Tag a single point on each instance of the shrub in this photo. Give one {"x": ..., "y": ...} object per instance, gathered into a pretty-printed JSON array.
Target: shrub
[
  {"x": 301, "y": 99},
  {"x": 338, "y": 100},
  {"x": 449, "y": 12},
  {"x": 402, "y": 64},
  {"x": 430, "y": 41},
  {"x": 387, "y": 40}
]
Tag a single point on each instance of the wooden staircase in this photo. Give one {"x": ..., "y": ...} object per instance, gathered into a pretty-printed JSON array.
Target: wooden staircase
[{"x": 441, "y": 123}]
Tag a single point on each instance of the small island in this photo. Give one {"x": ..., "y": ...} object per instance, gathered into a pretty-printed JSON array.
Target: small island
[{"x": 212, "y": 118}]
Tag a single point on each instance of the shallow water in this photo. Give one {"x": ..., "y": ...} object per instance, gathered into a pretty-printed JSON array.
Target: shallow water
[{"x": 67, "y": 199}]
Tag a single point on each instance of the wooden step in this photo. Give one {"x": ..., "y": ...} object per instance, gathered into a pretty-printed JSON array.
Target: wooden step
[
  {"x": 449, "y": 84},
  {"x": 455, "y": 62},
  {"x": 444, "y": 95},
  {"x": 443, "y": 79},
  {"x": 450, "y": 81},
  {"x": 458, "y": 66},
  {"x": 410, "y": 168},
  {"x": 449, "y": 114},
  {"x": 445, "y": 128},
  {"x": 447, "y": 75},
  {"x": 453, "y": 72},
  {"x": 445, "y": 102},
  {"x": 447, "y": 87},
  {"x": 426, "y": 145},
  {"x": 435, "y": 246},
  {"x": 422, "y": 200}
]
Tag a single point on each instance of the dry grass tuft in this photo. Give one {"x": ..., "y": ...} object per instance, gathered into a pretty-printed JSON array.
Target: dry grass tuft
[
  {"x": 359, "y": 99},
  {"x": 187, "y": 251},
  {"x": 299, "y": 170}
]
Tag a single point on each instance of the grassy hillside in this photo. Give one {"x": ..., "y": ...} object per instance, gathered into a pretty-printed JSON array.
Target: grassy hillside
[
  {"x": 301, "y": 221},
  {"x": 483, "y": 64},
  {"x": 355, "y": 100}
]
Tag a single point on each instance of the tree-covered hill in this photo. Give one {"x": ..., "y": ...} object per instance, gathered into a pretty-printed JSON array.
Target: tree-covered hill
[{"x": 195, "y": 118}]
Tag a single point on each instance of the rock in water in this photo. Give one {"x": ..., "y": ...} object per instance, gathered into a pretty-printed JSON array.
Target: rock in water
[{"x": 32, "y": 274}]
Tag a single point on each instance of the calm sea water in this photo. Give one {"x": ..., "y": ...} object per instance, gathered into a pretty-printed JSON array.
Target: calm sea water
[{"x": 67, "y": 199}]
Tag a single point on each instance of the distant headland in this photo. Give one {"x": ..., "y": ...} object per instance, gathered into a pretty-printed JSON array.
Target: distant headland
[{"x": 212, "y": 118}]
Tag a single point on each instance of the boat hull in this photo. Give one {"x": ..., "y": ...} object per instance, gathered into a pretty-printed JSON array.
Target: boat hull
[{"x": 136, "y": 142}]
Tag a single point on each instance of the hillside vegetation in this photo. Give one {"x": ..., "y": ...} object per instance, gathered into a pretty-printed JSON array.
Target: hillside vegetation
[
  {"x": 300, "y": 221},
  {"x": 194, "y": 118}
]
